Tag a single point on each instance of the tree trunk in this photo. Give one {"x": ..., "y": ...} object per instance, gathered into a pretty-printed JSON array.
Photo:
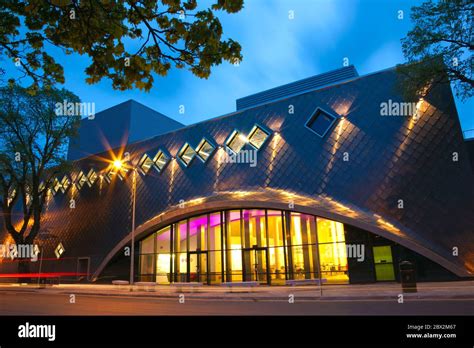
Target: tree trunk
[{"x": 24, "y": 268}]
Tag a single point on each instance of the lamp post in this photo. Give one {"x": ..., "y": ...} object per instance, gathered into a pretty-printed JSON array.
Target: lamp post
[
  {"x": 134, "y": 200},
  {"x": 118, "y": 164}
]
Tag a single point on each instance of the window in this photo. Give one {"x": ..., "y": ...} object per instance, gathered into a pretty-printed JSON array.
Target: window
[
  {"x": 120, "y": 172},
  {"x": 257, "y": 137},
  {"x": 65, "y": 184},
  {"x": 304, "y": 251},
  {"x": 56, "y": 186},
  {"x": 236, "y": 141},
  {"x": 320, "y": 122},
  {"x": 81, "y": 180},
  {"x": 91, "y": 177},
  {"x": 254, "y": 228},
  {"x": 163, "y": 255},
  {"x": 186, "y": 154},
  {"x": 215, "y": 246},
  {"x": 160, "y": 161},
  {"x": 108, "y": 177},
  {"x": 145, "y": 164},
  {"x": 332, "y": 251},
  {"x": 204, "y": 149},
  {"x": 198, "y": 233},
  {"x": 147, "y": 254}
]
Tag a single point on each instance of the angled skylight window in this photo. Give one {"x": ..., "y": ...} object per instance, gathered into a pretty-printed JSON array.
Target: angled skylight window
[
  {"x": 81, "y": 180},
  {"x": 320, "y": 122},
  {"x": 56, "y": 186},
  {"x": 145, "y": 164},
  {"x": 119, "y": 172},
  {"x": 186, "y": 154},
  {"x": 65, "y": 182},
  {"x": 108, "y": 177},
  {"x": 257, "y": 137},
  {"x": 204, "y": 149},
  {"x": 91, "y": 177},
  {"x": 160, "y": 161},
  {"x": 236, "y": 141}
]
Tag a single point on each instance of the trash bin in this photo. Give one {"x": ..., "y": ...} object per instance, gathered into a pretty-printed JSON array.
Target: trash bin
[{"x": 408, "y": 276}]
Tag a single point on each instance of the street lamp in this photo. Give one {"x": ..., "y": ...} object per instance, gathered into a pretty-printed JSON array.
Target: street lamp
[
  {"x": 134, "y": 200},
  {"x": 118, "y": 164}
]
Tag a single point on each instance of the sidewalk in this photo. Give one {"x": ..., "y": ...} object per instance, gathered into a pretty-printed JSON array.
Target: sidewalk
[{"x": 378, "y": 291}]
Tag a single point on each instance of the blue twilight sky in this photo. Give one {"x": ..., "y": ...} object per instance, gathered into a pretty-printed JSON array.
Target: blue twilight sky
[{"x": 276, "y": 50}]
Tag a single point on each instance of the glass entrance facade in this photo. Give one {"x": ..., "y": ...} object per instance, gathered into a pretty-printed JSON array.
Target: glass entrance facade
[{"x": 268, "y": 246}]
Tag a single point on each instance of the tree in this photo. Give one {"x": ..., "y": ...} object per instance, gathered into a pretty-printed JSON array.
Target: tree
[
  {"x": 33, "y": 141},
  {"x": 127, "y": 40},
  {"x": 439, "y": 48}
]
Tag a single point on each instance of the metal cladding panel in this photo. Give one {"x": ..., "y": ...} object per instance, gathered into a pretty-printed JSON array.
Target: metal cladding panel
[
  {"x": 301, "y": 86},
  {"x": 365, "y": 161}
]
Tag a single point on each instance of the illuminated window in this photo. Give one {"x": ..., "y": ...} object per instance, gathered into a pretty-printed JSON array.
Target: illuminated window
[
  {"x": 81, "y": 180},
  {"x": 186, "y": 154},
  {"x": 330, "y": 231},
  {"x": 160, "y": 161},
  {"x": 233, "y": 247},
  {"x": 163, "y": 255},
  {"x": 11, "y": 194},
  {"x": 64, "y": 184},
  {"x": 145, "y": 164},
  {"x": 108, "y": 177},
  {"x": 204, "y": 149},
  {"x": 250, "y": 245},
  {"x": 29, "y": 199},
  {"x": 332, "y": 251},
  {"x": 215, "y": 253},
  {"x": 56, "y": 186},
  {"x": 236, "y": 141},
  {"x": 198, "y": 233},
  {"x": 383, "y": 262},
  {"x": 257, "y": 137},
  {"x": 120, "y": 173},
  {"x": 254, "y": 224},
  {"x": 304, "y": 250},
  {"x": 320, "y": 122},
  {"x": 91, "y": 177}
]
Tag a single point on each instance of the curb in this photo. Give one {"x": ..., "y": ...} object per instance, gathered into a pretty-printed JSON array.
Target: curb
[{"x": 249, "y": 297}]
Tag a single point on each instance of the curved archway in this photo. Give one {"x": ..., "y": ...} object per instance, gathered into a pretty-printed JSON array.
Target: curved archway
[{"x": 324, "y": 207}]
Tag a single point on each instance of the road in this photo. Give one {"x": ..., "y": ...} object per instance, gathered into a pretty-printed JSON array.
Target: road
[{"x": 24, "y": 303}]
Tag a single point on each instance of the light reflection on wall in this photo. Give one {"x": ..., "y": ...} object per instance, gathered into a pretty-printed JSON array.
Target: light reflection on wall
[
  {"x": 343, "y": 108},
  {"x": 173, "y": 165},
  {"x": 275, "y": 147},
  {"x": 220, "y": 156}
]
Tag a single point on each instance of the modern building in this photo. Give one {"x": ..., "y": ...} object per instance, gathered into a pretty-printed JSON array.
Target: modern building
[{"x": 332, "y": 177}]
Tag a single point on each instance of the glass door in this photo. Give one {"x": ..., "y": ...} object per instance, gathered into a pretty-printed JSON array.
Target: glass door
[
  {"x": 383, "y": 263},
  {"x": 198, "y": 270},
  {"x": 255, "y": 265}
]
